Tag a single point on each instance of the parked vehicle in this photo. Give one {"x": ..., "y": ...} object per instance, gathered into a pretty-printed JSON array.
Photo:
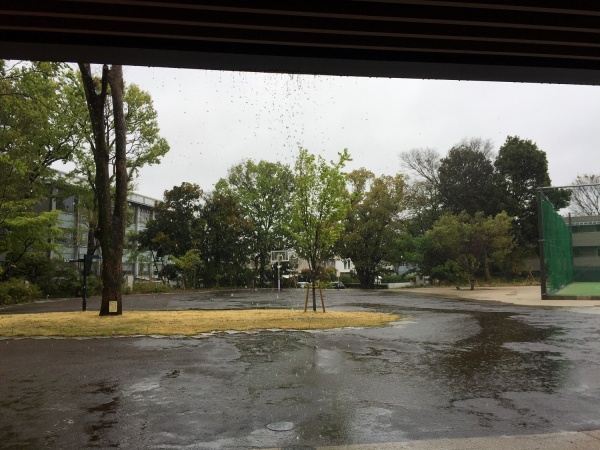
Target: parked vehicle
[{"x": 338, "y": 285}]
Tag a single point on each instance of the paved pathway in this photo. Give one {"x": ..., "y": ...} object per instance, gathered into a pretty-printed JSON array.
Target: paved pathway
[
  {"x": 453, "y": 374},
  {"x": 516, "y": 295}
]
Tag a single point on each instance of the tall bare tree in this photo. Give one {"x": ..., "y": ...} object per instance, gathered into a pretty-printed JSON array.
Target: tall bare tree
[
  {"x": 585, "y": 200},
  {"x": 424, "y": 162}
]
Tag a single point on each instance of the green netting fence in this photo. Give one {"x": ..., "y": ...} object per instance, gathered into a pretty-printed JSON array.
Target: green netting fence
[{"x": 557, "y": 248}]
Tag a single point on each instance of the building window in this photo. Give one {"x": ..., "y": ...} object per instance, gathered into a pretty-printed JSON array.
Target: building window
[
  {"x": 581, "y": 252},
  {"x": 585, "y": 228},
  {"x": 144, "y": 215},
  {"x": 65, "y": 204}
]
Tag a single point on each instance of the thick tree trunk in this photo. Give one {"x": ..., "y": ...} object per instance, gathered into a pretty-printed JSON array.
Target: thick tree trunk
[
  {"x": 111, "y": 217},
  {"x": 119, "y": 213}
]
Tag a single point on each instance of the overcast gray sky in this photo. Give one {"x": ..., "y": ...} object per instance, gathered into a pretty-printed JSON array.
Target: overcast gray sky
[{"x": 215, "y": 119}]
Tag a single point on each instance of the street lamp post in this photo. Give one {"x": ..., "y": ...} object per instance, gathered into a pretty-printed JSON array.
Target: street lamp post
[{"x": 84, "y": 287}]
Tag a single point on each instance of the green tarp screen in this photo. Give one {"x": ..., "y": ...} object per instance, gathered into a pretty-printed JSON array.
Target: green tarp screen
[{"x": 557, "y": 249}]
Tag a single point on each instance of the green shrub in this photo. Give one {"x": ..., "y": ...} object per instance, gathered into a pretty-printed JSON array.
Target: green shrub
[
  {"x": 94, "y": 285},
  {"x": 451, "y": 272},
  {"x": 18, "y": 290},
  {"x": 148, "y": 288},
  {"x": 348, "y": 279},
  {"x": 330, "y": 274},
  {"x": 392, "y": 278},
  {"x": 54, "y": 277}
]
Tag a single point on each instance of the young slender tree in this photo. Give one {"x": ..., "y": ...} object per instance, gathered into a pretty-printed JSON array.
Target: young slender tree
[{"x": 319, "y": 205}]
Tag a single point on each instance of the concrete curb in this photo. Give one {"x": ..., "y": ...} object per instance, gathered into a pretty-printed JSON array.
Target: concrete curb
[{"x": 583, "y": 440}]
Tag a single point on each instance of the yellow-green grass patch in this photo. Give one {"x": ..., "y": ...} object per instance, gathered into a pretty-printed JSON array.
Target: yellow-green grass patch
[{"x": 186, "y": 323}]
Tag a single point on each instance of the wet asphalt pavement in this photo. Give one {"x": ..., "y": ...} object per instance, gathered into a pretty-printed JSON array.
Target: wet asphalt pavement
[{"x": 449, "y": 369}]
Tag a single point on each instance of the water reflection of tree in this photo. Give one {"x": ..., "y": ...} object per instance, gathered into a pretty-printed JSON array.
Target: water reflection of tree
[{"x": 483, "y": 365}]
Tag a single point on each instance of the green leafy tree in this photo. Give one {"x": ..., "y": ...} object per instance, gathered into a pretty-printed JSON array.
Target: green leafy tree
[
  {"x": 27, "y": 233},
  {"x": 174, "y": 232},
  {"x": 188, "y": 266},
  {"x": 175, "y": 229},
  {"x": 460, "y": 245},
  {"x": 37, "y": 126},
  {"x": 264, "y": 191},
  {"x": 226, "y": 245},
  {"x": 319, "y": 205},
  {"x": 37, "y": 129},
  {"x": 521, "y": 168},
  {"x": 372, "y": 223},
  {"x": 54, "y": 277},
  {"x": 466, "y": 180}
]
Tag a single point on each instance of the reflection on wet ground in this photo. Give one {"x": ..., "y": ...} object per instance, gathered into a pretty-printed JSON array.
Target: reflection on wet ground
[
  {"x": 448, "y": 369},
  {"x": 102, "y": 416}
]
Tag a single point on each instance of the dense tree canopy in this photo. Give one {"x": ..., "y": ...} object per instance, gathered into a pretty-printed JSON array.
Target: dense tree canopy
[
  {"x": 225, "y": 244},
  {"x": 460, "y": 246},
  {"x": 521, "y": 168},
  {"x": 466, "y": 181},
  {"x": 264, "y": 191},
  {"x": 175, "y": 228},
  {"x": 37, "y": 124},
  {"x": 36, "y": 130},
  {"x": 372, "y": 222}
]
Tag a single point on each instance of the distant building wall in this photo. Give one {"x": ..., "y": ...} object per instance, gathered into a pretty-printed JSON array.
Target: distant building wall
[
  {"x": 585, "y": 235},
  {"x": 585, "y": 238},
  {"x": 73, "y": 222}
]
